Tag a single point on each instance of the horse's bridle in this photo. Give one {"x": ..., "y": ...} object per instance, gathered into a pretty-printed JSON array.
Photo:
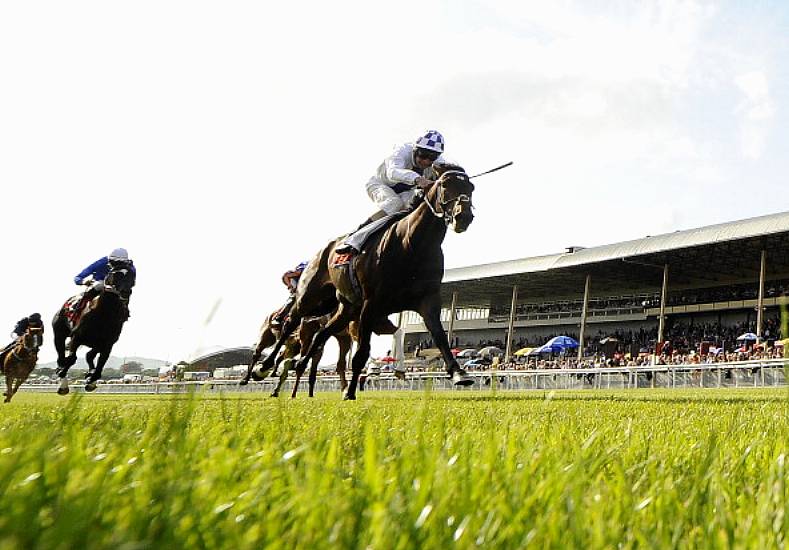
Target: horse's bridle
[
  {"x": 441, "y": 210},
  {"x": 25, "y": 350},
  {"x": 113, "y": 289}
]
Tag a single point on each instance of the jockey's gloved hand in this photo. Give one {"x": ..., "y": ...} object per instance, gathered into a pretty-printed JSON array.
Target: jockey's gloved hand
[{"x": 423, "y": 183}]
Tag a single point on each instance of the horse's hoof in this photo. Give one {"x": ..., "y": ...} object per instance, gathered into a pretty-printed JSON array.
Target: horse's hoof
[
  {"x": 258, "y": 375},
  {"x": 63, "y": 391},
  {"x": 243, "y": 382},
  {"x": 461, "y": 379},
  {"x": 349, "y": 397},
  {"x": 274, "y": 394},
  {"x": 90, "y": 386}
]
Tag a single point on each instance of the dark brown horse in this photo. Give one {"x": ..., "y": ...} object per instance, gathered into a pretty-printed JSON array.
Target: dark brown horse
[
  {"x": 20, "y": 361},
  {"x": 98, "y": 328},
  {"x": 399, "y": 269},
  {"x": 298, "y": 341}
]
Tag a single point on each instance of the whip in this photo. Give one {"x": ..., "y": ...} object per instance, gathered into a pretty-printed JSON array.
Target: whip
[{"x": 492, "y": 170}]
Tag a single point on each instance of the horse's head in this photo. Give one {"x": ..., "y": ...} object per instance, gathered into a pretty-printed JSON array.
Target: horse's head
[
  {"x": 120, "y": 280},
  {"x": 33, "y": 338},
  {"x": 450, "y": 197}
]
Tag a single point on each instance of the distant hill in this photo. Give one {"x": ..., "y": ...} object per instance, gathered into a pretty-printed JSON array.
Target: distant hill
[{"x": 112, "y": 363}]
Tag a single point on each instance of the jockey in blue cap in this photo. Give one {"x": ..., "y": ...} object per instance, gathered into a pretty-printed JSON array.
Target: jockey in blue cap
[
  {"x": 291, "y": 280},
  {"x": 93, "y": 276}
]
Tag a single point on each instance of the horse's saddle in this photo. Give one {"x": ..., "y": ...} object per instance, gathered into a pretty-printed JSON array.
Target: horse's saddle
[
  {"x": 348, "y": 282},
  {"x": 75, "y": 308}
]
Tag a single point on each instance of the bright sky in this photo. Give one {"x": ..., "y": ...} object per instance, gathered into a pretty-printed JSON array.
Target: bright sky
[{"x": 222, "y": 143}]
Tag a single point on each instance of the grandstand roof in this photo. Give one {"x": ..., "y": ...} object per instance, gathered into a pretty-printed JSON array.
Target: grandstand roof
[
  {"x": 703, "y": 257},
  {"x": 226, "y": 357}
]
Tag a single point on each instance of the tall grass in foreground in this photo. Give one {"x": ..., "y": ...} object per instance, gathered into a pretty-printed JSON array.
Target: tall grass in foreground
[{"x": 586, "y": 470}]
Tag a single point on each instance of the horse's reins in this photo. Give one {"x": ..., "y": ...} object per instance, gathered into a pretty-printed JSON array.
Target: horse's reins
[{"x": 441, "y": 211}]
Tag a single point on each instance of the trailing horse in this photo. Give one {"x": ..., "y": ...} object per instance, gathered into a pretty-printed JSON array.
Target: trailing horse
[
  {"x": 294, "y": 345},
  {"x": 19, "y": 362},
  {"x": 399, "y": 269},
  {"x": 98, "y": 328}
]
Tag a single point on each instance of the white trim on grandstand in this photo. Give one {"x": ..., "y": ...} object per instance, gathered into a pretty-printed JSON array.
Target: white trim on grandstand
[{"x": 702, "y": 236}]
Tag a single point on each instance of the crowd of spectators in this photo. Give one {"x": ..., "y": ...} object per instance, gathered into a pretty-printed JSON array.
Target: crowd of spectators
[
  {"x": 684, "y": 342},
  {"x": 682, "y": 335}
]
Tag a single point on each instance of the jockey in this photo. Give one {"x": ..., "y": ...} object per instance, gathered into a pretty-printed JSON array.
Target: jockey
[
  {"x": 291, "y": 280},
  {"x": 21, "y": 327},
  {"x": 394, "y": 186},
  {"x": 93, "y": 276}
]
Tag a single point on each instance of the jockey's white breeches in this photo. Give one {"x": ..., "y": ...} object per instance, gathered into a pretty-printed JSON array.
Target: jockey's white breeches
[{"x": 386, "y": 199}]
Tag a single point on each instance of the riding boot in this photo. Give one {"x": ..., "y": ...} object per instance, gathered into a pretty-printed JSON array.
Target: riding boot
[
  {"x": 282, "y": 314},
  {"x": 357, "y": 239}
]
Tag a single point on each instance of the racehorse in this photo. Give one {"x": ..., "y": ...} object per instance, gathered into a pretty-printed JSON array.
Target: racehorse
[
  {"x": 270, "y": 332},
  {"x": 400, "y": 268},
  {"x": 19, "y": 362},
  {"x": 98, "y": 328}
]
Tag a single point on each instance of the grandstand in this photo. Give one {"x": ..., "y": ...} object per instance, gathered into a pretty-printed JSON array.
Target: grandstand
[
  {"x": 219, "y": 358},
  {"x": 686, "y": 288}
]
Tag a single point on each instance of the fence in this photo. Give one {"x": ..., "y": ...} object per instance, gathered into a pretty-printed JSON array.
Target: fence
[{"x": 745, "y": 374}]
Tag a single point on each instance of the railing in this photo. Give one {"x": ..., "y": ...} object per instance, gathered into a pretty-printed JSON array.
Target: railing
[{"x": 744, "y": 374}]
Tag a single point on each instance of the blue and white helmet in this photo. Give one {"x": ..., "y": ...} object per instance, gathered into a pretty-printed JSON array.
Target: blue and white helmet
[{"x": 432, "y": 140}]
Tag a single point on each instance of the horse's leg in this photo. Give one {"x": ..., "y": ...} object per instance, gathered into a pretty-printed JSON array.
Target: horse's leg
[
  {"x": 18, "y": 383},
  {"x": 291, "y": 324},
  {"x": 265, "y": 339},
  {"x": 344, "y": 341},
  {"x": 430, "y": 309},
  {"x": 339, "y": 320},
  {"x": 362, "y": 354},
  {"x": 61, "y": 331},
  {"x": 314, "y": 371},
  {"x": 104, "y": 354},
  {"x": 285, "y": 358},
  {"x": 9, "y": 387},
  {"x": 65, "y": 361},
  {"x": 89, "y": 358},
  {"x": 283, "y": 376}
]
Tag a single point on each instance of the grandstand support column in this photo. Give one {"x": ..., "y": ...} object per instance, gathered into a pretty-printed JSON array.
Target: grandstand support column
[
  {"x": 584, "y": 312},
  {"x": 451, "y": 331},
  {"x": 663, "y": 296},
  {"x": 398, "y": 341},
  {"x": 511, "y": 325},
  {"x": 760, "y": 301}
]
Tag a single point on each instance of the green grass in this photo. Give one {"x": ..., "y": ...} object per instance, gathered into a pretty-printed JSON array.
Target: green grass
[{"x": 681, "y": 469}]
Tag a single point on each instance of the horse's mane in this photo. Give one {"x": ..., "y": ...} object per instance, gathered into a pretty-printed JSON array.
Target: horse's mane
[{"x": 447, "y": 167}]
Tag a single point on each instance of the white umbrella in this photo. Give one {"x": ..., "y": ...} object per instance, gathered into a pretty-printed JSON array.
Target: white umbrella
[{"x": 491, "y": 350}]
